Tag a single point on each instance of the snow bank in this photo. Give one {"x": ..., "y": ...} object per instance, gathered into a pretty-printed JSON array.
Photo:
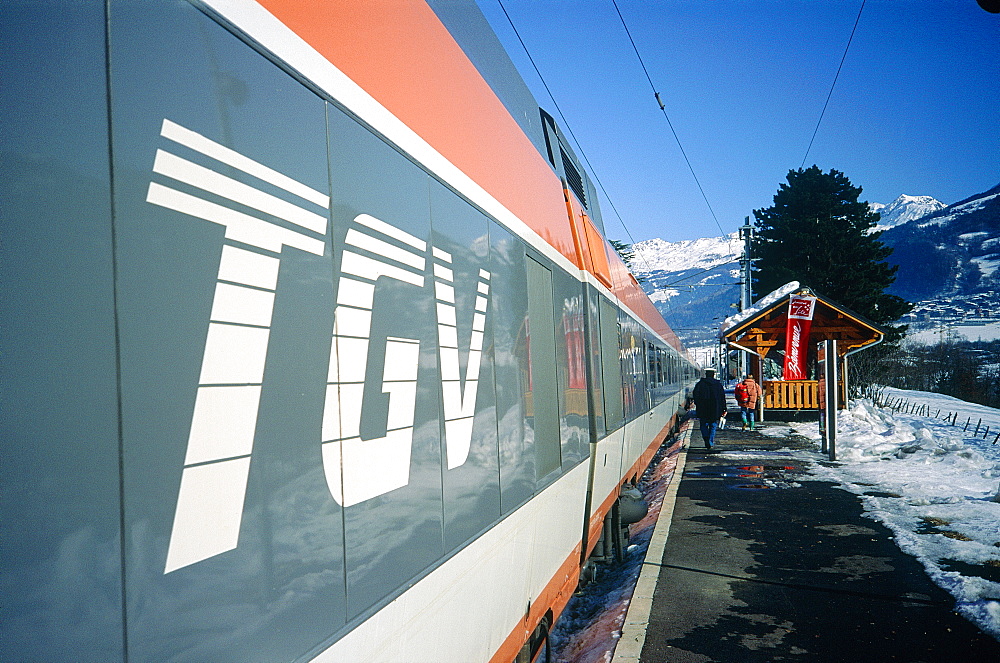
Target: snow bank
[{"x": 932, "y": 484}]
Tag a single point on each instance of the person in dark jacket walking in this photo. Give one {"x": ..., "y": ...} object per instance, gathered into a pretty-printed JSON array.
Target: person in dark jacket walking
[{"x": 710, "y": 404}]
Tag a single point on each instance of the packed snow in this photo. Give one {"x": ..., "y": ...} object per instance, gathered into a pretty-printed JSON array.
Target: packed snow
[{"x": 933, "y": 483}]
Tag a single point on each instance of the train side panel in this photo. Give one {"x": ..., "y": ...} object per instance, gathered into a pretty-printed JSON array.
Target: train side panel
[
  {"x": 60, "y": 512},
  {"x": 293, "y": 372}
]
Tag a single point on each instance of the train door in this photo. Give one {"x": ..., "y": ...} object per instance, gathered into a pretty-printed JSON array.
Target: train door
[
  {"x": 542, "y": 383},
  {"x": 611, "y": 366}
]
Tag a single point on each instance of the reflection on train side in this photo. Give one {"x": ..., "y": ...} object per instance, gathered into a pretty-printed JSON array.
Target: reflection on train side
[{"x": 220, "y": 442}]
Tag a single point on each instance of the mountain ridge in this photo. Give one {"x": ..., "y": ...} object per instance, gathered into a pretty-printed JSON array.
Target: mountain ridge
[
  {"x": 903, "y": 209},
  {"x": 948, "y": 257}
]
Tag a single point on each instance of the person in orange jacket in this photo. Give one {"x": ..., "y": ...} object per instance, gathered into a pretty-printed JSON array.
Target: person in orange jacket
[{"x": 747, "y": 394}]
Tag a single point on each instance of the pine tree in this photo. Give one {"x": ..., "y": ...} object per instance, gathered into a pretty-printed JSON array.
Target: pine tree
[{"x": 819, "y": 234}]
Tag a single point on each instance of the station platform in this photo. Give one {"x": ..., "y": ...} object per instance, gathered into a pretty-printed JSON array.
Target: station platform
[{"x": 754, "y": 561}]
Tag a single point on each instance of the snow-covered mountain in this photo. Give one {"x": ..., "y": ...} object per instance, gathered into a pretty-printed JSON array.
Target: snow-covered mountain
[
  {"x": 949, "y": 261},
  {"x": 693, "y": 283},
  {"x": 704, "y": 253},
  {"x": 948, "y": 257},
  {"x": 903, "y": 209}
]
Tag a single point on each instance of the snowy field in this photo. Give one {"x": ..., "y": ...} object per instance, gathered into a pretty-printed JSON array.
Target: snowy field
[
  {"x": 990, "y": 332},
  {"x": 932, "y": 484}
]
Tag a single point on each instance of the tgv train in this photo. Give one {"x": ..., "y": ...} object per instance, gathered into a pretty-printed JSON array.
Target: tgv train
[{"x": 312, "y": 345}]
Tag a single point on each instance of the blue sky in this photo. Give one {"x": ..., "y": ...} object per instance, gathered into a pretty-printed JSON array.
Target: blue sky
[{"x": 916, "y": 108}]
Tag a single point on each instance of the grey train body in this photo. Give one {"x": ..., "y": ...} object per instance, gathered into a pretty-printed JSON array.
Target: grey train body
[{"x": 397, "y": 371}]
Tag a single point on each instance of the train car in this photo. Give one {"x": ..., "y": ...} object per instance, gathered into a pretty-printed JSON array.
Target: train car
[{"x": 313, "y": 348}]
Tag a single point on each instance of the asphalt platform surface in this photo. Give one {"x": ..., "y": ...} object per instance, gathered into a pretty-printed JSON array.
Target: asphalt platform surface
[{"x": 763, "y": 563}]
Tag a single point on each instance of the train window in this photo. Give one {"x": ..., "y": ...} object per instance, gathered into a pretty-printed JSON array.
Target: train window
[
  {"x": 633, "y": 367},
  {"x": 508, "y": 316},
  {"x": 571, "y": 356},
  {"x": 611, "y": 365},
  {"x": 652, "y": 369},
  {"x": 544, "y": 411}
]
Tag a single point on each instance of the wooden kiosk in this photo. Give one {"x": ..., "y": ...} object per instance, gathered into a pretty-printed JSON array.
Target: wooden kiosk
[{"x": 764, "y": 331}]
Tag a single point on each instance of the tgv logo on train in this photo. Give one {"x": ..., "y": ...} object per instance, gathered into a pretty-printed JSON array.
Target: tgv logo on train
[{"x": 217, "y": 464}]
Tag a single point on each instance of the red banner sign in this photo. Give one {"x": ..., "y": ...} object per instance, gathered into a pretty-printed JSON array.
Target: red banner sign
[{"x": 800, "y": 315}]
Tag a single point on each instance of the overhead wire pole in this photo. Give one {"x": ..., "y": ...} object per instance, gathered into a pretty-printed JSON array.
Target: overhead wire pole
[
  {"x": 746, "y": 285},
  {"x": 833, "y": 85}
]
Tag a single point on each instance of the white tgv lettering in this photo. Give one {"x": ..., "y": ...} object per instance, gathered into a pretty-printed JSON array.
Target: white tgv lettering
[
  {"x": 459, "y": 400},
  {"x": 223, "y": 425},
  {"x": 347, "y": 458},
  {"x": 220, "y": 441}
]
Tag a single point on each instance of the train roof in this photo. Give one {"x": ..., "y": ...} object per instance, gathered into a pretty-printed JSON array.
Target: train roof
[{"x": 457, "y": 105}]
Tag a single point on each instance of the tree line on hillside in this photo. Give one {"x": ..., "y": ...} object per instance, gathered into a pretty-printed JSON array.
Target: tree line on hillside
[{"x": 967, "y": 370}]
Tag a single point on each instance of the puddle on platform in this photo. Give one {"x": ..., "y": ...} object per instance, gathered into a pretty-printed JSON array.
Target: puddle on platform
[
  {"x": 745, "y": 471},
  {"x": 755, "y": 477}
]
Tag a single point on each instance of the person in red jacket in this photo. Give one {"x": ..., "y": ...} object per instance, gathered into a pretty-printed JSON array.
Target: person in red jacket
[{"x": 747, "y": 394}]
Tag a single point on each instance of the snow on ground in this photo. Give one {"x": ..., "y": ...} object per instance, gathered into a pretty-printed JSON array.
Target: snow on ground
[
  {"x": 985, "y": 332},
  {"x": 932, "y": 483}
]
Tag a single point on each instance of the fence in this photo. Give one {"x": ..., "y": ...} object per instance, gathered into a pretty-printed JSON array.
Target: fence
[
  {"x": 922, "y": 409},
  {"x": 794, "y": 395}
]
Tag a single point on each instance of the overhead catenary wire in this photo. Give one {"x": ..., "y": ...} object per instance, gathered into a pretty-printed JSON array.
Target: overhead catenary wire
[
  {"x": 699, "y": 273},
  {"x": 663, "y": 109},
  {"x": 832, "y": 85},
  {"x": 592, "y": 170}
]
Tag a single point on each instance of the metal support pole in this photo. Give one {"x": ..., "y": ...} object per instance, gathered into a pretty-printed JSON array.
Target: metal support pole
[
  {"x": 832, "y": 396},
  {"x": 746, "y": 265},
  {"x": 844, "y": 375},
  {"x": 746, "y": 291}
]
